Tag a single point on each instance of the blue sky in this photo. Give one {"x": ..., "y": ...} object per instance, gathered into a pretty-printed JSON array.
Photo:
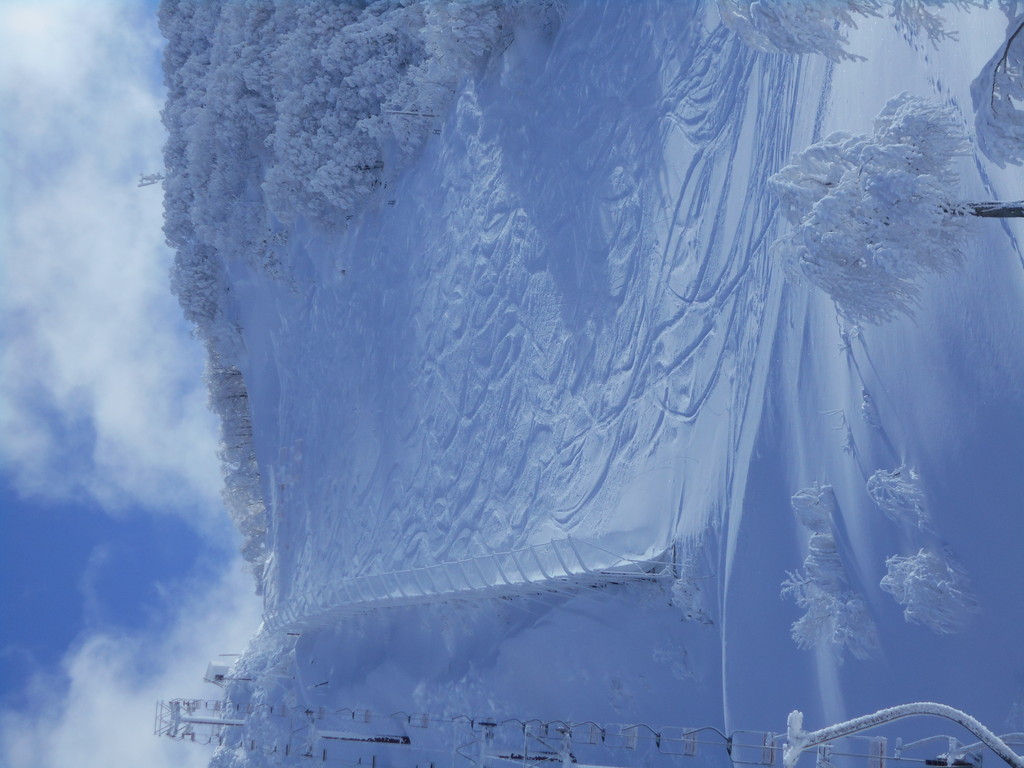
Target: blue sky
[
  {"x": 98, "y": 572},
  {"x": 118, "y": 564}
]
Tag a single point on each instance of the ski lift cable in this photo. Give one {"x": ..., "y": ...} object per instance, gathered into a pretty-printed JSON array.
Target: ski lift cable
[{"x": 611, "y": 735}]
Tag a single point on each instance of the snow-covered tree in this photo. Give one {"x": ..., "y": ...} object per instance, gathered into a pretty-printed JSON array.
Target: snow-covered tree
[
  {"x": 821, "y": 26},
  {"x": 359, "y": 87},
  {"x": 899, "y": 495},
  {"x": 814, "y": 507},
  {"x": 872, "y": 214},
  {"x": 834, "y": 615},
  {"x": 998, "y": 95},
  {"x": 931, "y": 590}
]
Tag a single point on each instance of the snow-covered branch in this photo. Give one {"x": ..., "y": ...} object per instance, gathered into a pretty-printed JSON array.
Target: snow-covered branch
[{"x": 1014, "y": 210}]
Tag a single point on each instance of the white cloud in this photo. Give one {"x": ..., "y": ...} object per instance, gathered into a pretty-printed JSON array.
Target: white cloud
[
  {"x": 100, "y": 390},
  {"x": 99, "y": 713}
]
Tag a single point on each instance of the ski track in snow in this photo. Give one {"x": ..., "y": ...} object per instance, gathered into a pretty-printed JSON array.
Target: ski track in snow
[{"x": 526, "y": 343}]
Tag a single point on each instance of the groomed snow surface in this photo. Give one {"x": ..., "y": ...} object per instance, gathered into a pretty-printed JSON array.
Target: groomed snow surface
[{"x": 561, "y": 320}]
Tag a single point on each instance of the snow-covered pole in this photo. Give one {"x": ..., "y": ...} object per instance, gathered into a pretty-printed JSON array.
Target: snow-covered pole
[{"x": 797, "y": 739}]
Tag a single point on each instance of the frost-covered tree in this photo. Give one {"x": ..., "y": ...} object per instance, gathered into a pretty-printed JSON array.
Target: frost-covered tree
[
  {"x": 932, "y": 591},
  {"x": 872, "y": 213},
  {"x": 821, "y": 26},
  {"x": 814, "y": 507},
  {"x": 899, "y": 495},
  {"x": 359, "y": 87},
  {"x": 998, "y": 95},
  {"x": 834, "y": 615}
]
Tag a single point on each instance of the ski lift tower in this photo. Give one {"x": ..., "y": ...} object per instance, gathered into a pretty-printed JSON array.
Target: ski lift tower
[{"x": 197, "y": 720}]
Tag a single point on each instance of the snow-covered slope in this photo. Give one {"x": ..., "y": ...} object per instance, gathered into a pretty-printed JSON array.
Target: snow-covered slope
[
  {"x": 560, "y": 319},
  {"x": 553, "y": 330}
]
